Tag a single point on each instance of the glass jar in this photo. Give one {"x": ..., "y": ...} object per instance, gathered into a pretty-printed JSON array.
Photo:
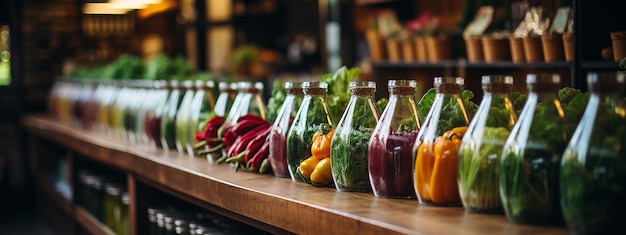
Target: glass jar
[
  {"x": 182, "y": 117},
  {"x": 85, "y": 104},
  {"x": 312, "y": 113},
  {"x": 201, "y": 106},
  {"x": 390, "y": 147},
  {"x": 131, "y": 109},
  {"x": 349, "y": 146},
  {"x": 160, "y": 216},
  {"x": 593, "y": 169},
  {"x": 278, "y": 134},
  {"x": 154, "y": 113},
  {"x": 118, "y": 110},
  {"x": 181, "y": 226},
  {"x": 224, "y": 102},
  {"x": 107, "y": 107},
  {"x": 168, "y": 121},
  {"x": 247, "y": 101},
  {"x": 147, "y": 96},
  {"x": 153, "y": 228},
  {"x": 169, "y": 224},
  {"x": 113, "y": 206},
  {"x": 531, "y": 157},
  {"x": 124, "y": 226},
  {"x": 96, "y": 201},
  {"x": 437, "y": 145},
  {"x": 481, "y": 147}
]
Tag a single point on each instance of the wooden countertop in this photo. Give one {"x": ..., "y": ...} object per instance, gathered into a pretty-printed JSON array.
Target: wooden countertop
[{"x": 295, "y": 207}]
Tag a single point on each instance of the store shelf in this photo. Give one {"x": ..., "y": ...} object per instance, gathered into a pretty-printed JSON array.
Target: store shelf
[
  {"x": 481, "y": 65},
  {"x": 600, "y": 65},
  {"x": 279, "y": 202},
  {"x": 91, "y": 224}
]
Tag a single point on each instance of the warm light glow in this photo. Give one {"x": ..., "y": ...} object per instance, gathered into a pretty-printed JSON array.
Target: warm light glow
[
  {"x": 218, "y": 10},
  {"x": 133, "y": 4},
  {"x": 102, "y": 9}
]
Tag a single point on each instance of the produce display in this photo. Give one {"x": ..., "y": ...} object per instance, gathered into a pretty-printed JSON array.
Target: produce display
[{"x": 480, "y": 156}]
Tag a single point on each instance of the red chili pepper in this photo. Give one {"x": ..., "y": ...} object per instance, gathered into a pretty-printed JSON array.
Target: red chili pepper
[
  {"x": 257, "y": 158},
  {"x": 249, "y": 117},
  {"x": 244, "y": 126}
]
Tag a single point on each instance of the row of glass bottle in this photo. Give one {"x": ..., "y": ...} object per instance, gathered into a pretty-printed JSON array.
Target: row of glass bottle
[
  {"x": 175, "y": 220},
  {"x": 395, "y": 156},
  {"x": 157, "y": 113}
]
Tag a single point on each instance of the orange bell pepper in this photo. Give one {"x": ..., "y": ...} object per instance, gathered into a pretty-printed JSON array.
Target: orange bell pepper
[
  {"x": 437, "y": 168},
  {"x": 321, "y": 142}
]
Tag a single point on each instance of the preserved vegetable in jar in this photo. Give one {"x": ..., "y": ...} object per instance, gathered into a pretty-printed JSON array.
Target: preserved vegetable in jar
[
  {"x": 182, "y": 117},
  {"x": 200, "y": 108},
  {"x": 391, "y": 145},
  {"x": 437, "y": 145},
  {"x": 168, "y": 121},
  {"x": 481, "y": 146},
  {"x": 312, "y": 113},
  {"x": 593, "y": 168},
  {"x": 278, "y": 134},
  {"x": 531, "y": 157},
  {"x": 349, "y": 146}
]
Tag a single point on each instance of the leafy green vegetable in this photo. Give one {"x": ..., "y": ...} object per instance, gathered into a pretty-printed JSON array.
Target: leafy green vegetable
[
  {"x": 451, "y": 115},
  {"x": 479, "y": 168},
  {"x": 338, "y": 93},
  {"x": 166, "y": 68},
  {"x": 519, "y": 100},
  {"x": 276, "y": 100},
  {"x": 126, "y": 66},
  {"x": 424, "y": 104},
  {"x": 349, "y": 160}
]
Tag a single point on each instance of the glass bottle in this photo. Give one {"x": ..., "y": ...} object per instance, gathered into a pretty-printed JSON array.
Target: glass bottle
[
  {"x": 201, "y": 106},
  {"x": 124, "y": 226},
  {"x": 481, "y": 146},
  {"x": 148, "y": 94},
  {"x": 312, "y": 113},
  {"x": 131, "y": 109},
  {"x": 182, "y": 117},
  {"x": 168, "y": 121},
  {"x": 247, "y": 101},
  {"x": 154, "y": 113},
  {"x": 593, "y": 169},
  {"x": 390, "y": 147},
  {"x": 529, "y": 171},
  {"x": 278, "y": 134},
  {"x": 112, "y": 206},
  {"x": 437, "y": 145},
  {"x": 348, "y": 155},
  {"x": 224, "y": 101}
]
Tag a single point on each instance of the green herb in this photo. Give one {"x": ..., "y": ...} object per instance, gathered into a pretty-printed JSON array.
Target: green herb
[
  {"x": 452, "y": 114},
  {"x": 166, "y": 68},
  {"x": 126, "y": 66},
  {"x": 349, "y": 160},
  {"x": 479, "y": 169},
  {"x": 279, "y": 94},
  {"x": 338, "y": 93}
]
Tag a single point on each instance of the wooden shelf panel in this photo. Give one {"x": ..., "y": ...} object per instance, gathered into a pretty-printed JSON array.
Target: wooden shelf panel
[
  {"x": 91, "y": 224},
  {"x": 295, "y": 207}
]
